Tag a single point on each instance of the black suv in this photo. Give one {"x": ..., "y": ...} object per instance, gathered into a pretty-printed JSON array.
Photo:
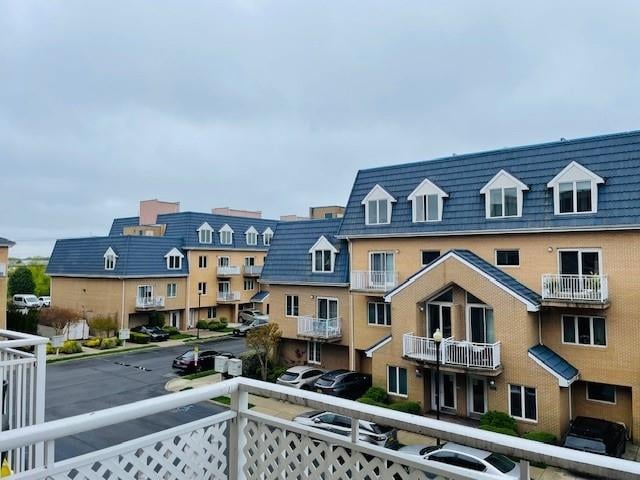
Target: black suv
[
  {"x": 596, "y": 436},
  {"x": 343, "y": 383},
  {"x": 156, "y": 334}
]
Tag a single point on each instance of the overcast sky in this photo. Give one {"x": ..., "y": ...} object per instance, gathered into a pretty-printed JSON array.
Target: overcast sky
[{"x": 276, "y": 105}]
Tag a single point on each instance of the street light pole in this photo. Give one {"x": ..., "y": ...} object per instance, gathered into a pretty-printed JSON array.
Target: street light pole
[
  {"x": 198, "y": 316},
  {"x": 437, "y": 338}
]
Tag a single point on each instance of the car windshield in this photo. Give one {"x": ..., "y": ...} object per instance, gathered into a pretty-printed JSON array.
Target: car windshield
[
  {"x": 325, "y": 382},
  {"x": 288, "y": 376},
  {"x": 187, "y": 355},
  {"x": 501, "y": 462},
  {"x": 585, "y": 444},
  {"x": 247, "y": 322}
]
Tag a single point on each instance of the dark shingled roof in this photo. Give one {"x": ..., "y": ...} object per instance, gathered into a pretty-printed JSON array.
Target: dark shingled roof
[
  {"x": 289, "y": 260},
  {"x": 5, "y": 242},
  {"x": 138, "y": 256},
  {"x": 260, "y": 296},
  {"x": 554, "y": 361},
  {"x": 616, "y": 158}
]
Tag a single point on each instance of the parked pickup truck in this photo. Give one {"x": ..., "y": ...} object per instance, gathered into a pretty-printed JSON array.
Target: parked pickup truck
[{"x": 252, "y": 314}]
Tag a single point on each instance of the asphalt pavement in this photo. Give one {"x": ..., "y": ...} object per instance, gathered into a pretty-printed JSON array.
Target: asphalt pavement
[{"x": 89, "y": 384}]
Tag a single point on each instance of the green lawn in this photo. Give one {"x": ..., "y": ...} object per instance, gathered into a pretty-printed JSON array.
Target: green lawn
[
  {"x": 227, "y": 401},
  {"x": 204, "y": 373},
  {"x": 180, "y": 336}
]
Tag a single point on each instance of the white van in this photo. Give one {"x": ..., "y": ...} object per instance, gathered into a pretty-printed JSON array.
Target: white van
[{"x": 26, "y": 301}]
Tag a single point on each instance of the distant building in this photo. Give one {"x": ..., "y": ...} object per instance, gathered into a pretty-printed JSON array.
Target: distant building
[
  {"x": 232, "y": 212},
  {"x": 4, "y": 262},
  {"x": 334, "y": 211}
]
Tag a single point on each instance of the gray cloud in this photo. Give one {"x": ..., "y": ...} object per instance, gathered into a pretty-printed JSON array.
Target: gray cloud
[{"x": 276, "y": 105}]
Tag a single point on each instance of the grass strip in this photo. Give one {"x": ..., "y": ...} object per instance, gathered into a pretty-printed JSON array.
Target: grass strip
[{"x": 99, "y": 354}]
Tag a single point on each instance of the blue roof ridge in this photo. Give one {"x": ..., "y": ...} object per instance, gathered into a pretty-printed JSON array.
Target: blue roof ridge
[{"x": 232, "y": 217}]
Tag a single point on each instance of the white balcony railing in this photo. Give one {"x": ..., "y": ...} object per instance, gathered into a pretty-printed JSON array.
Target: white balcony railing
[
  {"x": 253, "y": 270},
  {"x": 373, "y": 280},
  {"x": 241, "y": 444},
  {"x": 452, "y": 352},
  {"x": 323, "y": 328},
  {"x": 228, "y": 270},
  {"x": 576, "y": 288},
  {"x": 149, "y": 302},
  {"x": 228, "y": 296},
  {"x": 22, "y": 392}
]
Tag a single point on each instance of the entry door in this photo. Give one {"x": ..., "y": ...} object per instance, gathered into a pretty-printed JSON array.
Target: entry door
[
  {"x": 327, "y": 308},
  {"x": 477, "y": 395},
  {"x": 481, "y": 324},
  {"x": 174, "y": 319},
  {"x": 438, "y": 316},
  {"x": 223, "y": 287},
  {"x": 447, "y": 391}
]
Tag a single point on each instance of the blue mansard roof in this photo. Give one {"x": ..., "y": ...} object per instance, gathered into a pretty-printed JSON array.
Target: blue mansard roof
[
  {"x": 136, "y": 257},
  {"x": 615, "y": 158},
  {"x": 289, "y": 260}
]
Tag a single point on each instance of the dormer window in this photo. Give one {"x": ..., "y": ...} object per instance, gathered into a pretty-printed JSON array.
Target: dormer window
[
  {"x": 110, "y": 259},
  {"x": 575, "y": 190},
  {"x": 323, "y": 255},
  {"x": 205, "y": 233},
  {"x": 252, "y": 236},
  {"x": 427, "y": 201},
  {"x": 267, "y": 235},
  {"x": 503, "y": 196},
  {"x": 174, "y": 259},
  {"x": 226, "y": 235},
  {"x": 377, "y": 206}
]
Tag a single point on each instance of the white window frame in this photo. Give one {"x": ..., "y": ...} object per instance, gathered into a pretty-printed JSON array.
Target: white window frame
[
  {"x": 174, "y": 259},
  {"x": 506, "y": 250},
  {"x": 249, "y": 261},
  {"x": 580, "y": 252},
  {"x": 225, "y": 231},
  {"x": 205, "y": 233},
  {"x": 286, "y": 305},
  {"x": 172, "y": 290},
  {"x": 249, "y": 281},
  {"x": 397, "y": 393},
  {"x": 267, "y": 236},
  {"x": 423, "y": 191},
  {"x": 575, "y": 330},
  {"x": 572, "y": 173},
  {"x": 110, "y": 259},
  {"x": 522, "y": 403},
  {"x": 202, "y": 289},
  {"x": 378, "y": 194},
  {"x": 212, "y": 309},
  {"x": 501, "y": 181},
  {"x": 605, "y": 402},
  {"x": 227, "y": 258},
  {"x": 314, "y": 352},
  {"x": 323, "y": 245},
  {"x": 328, "y": 299},
  {"x": 387, "y": 320},
  {"x": 251, "y": 236},
  {"x": 485, "y": 307},
  {"x": 202, "y": 261}
]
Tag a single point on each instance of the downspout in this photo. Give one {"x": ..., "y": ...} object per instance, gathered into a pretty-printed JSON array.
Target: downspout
[
  {"x": 352, "y": 353},
  {"x": 122, "y": 305},
  {"x": 187, "y": 294},
  {"x": 570, "y": 403},
  {"x": 540, "y": 327}
]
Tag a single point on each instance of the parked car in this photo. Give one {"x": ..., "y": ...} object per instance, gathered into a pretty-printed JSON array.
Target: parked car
[
  {"x": 206, "y": 360},
  {"x": 343, "y": 383},
  {"x": 252, "y": 314},
  {"x": 248, "y": 325},
  {"x": 370, "y": 432},
  {"x": 26, "y": 301},
  {"x": 156, "y": 334},
  {"x": 45, "y": 301},
  {"x": 300, "y": 377},
  {"x": 595, "y": 435},
  {"x": 461, "y": 456}
]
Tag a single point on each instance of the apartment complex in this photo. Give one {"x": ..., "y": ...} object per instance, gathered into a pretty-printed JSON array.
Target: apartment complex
[
  {"x": 188, "y": 266},
  {"x": 4, "y": 269},
  {"x": 523, "y": 259}
]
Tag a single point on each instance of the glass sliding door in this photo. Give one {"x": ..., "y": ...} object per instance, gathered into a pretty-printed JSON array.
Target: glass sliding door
[
  {"x": 382, "y": 270},
  {"x": 477, "y": 395}
]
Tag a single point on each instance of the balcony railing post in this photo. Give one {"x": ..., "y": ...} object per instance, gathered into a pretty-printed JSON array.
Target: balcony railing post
[
  {"x": 40, "y": 384},
  {"x": 237, "y": 438},
  {"x": 524, "y": 470}
]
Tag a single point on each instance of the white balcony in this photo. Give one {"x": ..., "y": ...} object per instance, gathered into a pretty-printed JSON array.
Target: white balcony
[
  {"x": 252, "y": 270},
  {"x": 374, "y": 281},
  {"x": 228, "y": 270},
  {"x": 243, "y": 444},
  {"x": 575, "y": 288},
  {"x": 149, "y": 303},
  {"x": 320, "y": 328},
  {"x": 22, "y": 391},
  {"x": 456, "y": 353},
  {"x": 228, "y": 296}
]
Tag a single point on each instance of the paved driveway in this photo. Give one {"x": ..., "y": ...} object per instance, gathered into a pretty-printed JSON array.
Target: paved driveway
[{"x": 85, "y": 385}]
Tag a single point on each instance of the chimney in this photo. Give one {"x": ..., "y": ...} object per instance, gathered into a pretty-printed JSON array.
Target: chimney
[
  {"x": 150, "y": 209},
  {"x": 232, "y": 212}
]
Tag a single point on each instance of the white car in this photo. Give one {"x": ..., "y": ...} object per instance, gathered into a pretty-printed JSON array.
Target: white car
[
  {"x": 45, "y": 301},
  {"x": 370, "y": 432},
  {"x": 470, "y": 458},
  {"x": 252, "y": 314},
  {"x": 26, "y": 301},
  {"x": 300, "y": 377}
]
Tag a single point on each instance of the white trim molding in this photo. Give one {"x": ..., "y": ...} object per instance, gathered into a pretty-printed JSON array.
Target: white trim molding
[
  {"x": 254, "y": 233},
  {"x": 205, "y": 227},
  {"x": 110, "y": 259},
  {"x": 573, "y": 173},
  {"x": 501, "y": 181},
  {"x": 322, "y": 245},
  {"x": 426, "y": 189},
  {"x": 378, "y": 193}
]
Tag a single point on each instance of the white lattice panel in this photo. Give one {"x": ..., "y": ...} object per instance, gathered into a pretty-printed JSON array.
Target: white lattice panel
[
  {"x": 275, "y": 453},
  {"x": 197, "y": 455}
]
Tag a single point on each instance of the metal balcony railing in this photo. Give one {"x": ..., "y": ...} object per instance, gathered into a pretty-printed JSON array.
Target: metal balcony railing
[
  {"x": 378, "y": 281},
  {"x": 321, "y": 328},
  {"x": 252, "y": 270},
  {"x": 228, "y": 296},
  {"x": 241, "y": 444},
  {"x": 575, "y": 288},
  {"x": 149, "y": 302},
  {"x": 228, "y": 270},
  {"x": 452, "y": 352}
]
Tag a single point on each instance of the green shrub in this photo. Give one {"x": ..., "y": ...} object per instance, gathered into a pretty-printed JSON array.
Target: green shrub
[
  {"x": 250, "y": 365},
  {"x": 171, "y": 330},
  {"x": 498, "y": 419},
  {"x": 503, "y": 430},
  {"x": 108, "y": 343},
  {"x": 70, "y": 346},
  {"x": 202, "y": 325},
  {"x": 92, "y": 342},
  {"x": 135, "y": 337},
  {"x": 371, "y": 401},
  {"x": 224, "y": 320},
  {"x": 50, "y": 349},
  {"x": 406, "y": 407},
  {"x": 544, "y": 437},
  {"x": 213, "y": 326},
  {"x": 378, "y": 394},
  {"x": 156, "y": 319},
  {"x": 275, "y": 371}
]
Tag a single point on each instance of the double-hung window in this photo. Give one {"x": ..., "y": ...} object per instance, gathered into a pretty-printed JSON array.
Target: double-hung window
[
  {"x": 249, "y": 284},
  {"x": 174, "y": 262},
  {"x": 172, "y": 290},
  {"x": 202, "y": 261},
  {"x": 397, "y": 380},
  {"x": 581, "y": 330},
  {"x": 523, "y": 402},
  {"x": 202, "y": 288},
  {"x": 291, "y": 305},
  {"x": 323, "y": 261},
  {"x": 379, "y": 313},
  {"x": 204, "y": 235},
  {"x": 313, "y": 352}
]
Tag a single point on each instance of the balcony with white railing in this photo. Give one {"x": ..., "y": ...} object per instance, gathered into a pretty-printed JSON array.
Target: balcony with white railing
[
  {"x": 228, "y": 296},
  {"x": 575, "y": 288},
  {"x": 320, "y": 328},
  {"x": 23, "y": 363},
  {"x": 149, "y": 303},
  {"x": 252, "y": 270},
  {"x": 373, "y": 281},
  {"x": 455, "y": 353},
  {"x": 243, "y": 444},
  {"x": 228, "y": 270}
]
